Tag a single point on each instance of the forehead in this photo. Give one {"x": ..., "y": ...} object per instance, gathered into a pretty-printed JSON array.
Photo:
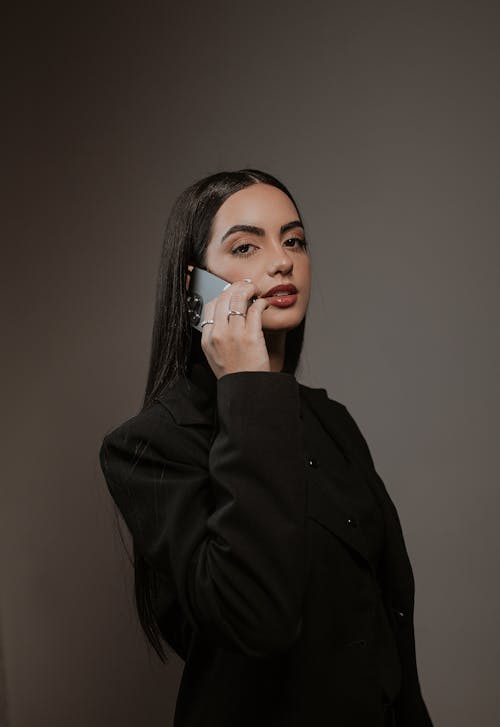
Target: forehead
[{"x": 260, "y": 204}]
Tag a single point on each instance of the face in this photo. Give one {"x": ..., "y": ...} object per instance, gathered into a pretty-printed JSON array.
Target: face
[{"x": 275, "y": 254}]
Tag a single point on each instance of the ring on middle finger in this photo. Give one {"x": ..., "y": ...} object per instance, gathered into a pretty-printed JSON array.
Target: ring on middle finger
[{"x": 232, "y": 312}]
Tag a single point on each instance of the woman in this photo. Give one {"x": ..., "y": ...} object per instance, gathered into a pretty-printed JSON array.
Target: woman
[{"x": 267, "y": 551}]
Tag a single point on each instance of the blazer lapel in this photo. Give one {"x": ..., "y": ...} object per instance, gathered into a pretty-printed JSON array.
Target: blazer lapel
[
  {"x": 329, "y": 510},
  {"x": 188, "y": 403}
]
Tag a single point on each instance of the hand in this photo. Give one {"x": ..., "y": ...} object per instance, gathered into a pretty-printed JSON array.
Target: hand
[{"x": 235, "y": 343}]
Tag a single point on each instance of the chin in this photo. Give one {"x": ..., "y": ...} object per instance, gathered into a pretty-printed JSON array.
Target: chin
[{"x": 282, "y": 322}]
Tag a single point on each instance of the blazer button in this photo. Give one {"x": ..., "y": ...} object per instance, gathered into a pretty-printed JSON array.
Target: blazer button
[
  {"x": 399, "y": 614},
  {"x": 352, "y": 522},
  {"x": 357, "y": 642},
  {"x": 312, "y": 462}
]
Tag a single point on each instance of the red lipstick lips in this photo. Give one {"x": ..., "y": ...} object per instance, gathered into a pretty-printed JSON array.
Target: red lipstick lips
[
  {"x": 287, "y": 289},
  {"x": 282, "y": 296}
]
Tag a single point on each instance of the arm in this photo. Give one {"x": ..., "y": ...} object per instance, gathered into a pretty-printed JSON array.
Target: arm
[{"x": 228, "y": 533}]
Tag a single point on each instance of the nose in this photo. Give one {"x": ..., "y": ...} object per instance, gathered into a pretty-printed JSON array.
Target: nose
[{"x": 280, "y": 261}]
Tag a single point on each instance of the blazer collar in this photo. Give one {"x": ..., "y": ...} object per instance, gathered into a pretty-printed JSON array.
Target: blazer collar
[{"x": 193, "y": 398}]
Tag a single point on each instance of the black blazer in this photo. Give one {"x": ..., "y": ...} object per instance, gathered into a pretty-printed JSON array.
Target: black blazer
[{"x": 267, "y": 591}]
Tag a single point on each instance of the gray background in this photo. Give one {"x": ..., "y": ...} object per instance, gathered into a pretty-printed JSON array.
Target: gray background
[{"x": 383, "y": 120}]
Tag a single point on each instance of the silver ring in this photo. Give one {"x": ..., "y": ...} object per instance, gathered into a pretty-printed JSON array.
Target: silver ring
[
  {"x": 204, "y": 323},
  {"x": 235, "y": 313}
]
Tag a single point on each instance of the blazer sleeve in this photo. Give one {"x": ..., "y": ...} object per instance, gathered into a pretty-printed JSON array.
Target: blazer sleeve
[{"x": 228, "y": 530}]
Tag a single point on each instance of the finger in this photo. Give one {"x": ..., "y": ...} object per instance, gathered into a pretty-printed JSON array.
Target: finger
[
  {"x": 254, "y": 315},
  {"x": 240, "y": 301},
  {"x": 236, "y": 297},
  {"x": 207, "y": 315}
]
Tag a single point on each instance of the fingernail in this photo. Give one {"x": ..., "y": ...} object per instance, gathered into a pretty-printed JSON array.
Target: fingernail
[{"x": 247, "y": 280}]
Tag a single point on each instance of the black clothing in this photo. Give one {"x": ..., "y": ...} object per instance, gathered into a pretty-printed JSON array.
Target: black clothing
[
  {"x": 330, "y": 467},
  {"x": 287, "y": 587}
]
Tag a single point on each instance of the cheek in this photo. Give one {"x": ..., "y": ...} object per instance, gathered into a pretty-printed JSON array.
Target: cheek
[
  {"x": 305, "y": 274},
  {"x": 233, "y": 268}
]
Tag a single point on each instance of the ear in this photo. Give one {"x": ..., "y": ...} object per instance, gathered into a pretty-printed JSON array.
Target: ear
[{"x": 188, "y": 275}]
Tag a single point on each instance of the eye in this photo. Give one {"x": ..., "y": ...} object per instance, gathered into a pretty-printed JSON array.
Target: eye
[
  {"x": 301, "y": 243},
  {"x": 243, "y": 249},
  {"x": 238, "y": 250}
]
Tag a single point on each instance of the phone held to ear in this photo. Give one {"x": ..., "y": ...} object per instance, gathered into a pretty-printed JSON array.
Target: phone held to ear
[{"x": 203, "y": 286}]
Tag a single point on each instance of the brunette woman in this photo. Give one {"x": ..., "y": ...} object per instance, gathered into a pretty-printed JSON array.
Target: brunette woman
[{"x": 267, "y": 552}]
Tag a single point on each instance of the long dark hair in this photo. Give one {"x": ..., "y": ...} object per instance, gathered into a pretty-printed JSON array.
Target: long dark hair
[{"x": 174, "y": 341}]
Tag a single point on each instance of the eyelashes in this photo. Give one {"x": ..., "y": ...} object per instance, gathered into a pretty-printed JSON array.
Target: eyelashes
[{"x": 302, "y": 244}]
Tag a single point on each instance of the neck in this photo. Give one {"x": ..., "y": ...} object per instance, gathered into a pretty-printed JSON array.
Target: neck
[{"x": 275, "y": 342}]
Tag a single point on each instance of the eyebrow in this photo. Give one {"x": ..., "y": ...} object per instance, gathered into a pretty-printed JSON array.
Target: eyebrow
[{"x": 258, "y": 230}]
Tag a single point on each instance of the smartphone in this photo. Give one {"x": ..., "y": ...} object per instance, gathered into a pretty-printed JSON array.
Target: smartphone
[{"x": 203, "y": 287}]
